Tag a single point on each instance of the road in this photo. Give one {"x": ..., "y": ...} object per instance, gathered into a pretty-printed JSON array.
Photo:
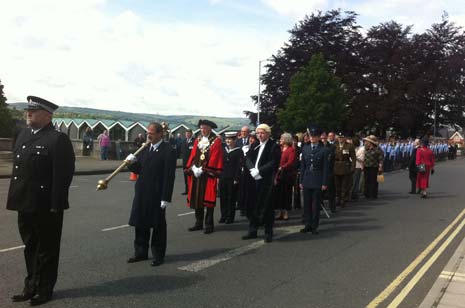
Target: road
[{"x": 358, "y": 253}]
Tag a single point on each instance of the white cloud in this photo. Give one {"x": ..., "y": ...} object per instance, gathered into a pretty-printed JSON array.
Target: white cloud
[
  {"x": 296, "y": 8},
  {"x": 76, "y": 55}
]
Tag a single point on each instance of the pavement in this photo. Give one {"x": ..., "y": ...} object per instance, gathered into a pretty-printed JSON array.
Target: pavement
[
  {"x": 409, "y": 250},
  {"x": 84, "y": 165}
]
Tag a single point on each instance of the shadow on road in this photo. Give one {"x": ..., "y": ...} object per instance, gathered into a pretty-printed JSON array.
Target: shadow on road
[{"x": 131, "y": 286}]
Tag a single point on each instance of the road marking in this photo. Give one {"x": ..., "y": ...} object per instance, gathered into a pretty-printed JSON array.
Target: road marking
[
  {"x": 114, "y": 228},
  {"x": 415, "y": 279},
  {"x": 402, "y": 276},
  {"x": 206, "y": 263},
  {"x": 188, "y": 213},
  {"x": 12, "y": 248}
]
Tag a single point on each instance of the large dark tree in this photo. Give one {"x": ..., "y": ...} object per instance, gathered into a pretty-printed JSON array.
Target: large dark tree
[
  {"x": 335, "y": 35},
  {"x": 316, "y": 97},
  {"x": 7, "y": 124}
]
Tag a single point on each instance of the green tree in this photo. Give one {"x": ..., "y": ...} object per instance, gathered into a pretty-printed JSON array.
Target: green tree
[
  {"x": 316, "y": 97},
  {"x": 7, "y": 124}
]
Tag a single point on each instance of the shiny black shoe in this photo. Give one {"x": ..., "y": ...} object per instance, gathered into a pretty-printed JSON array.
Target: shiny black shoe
[
  {"x": 40, "y": 299},
  {"x": 306, "y": 230},
  {"x": 195, "y": 228},
  {"x": 208, "y": 231},
  {"x": 268, "y": 238},
  {"x": 136, "y": 259},
  {"x": 157, "y": 262},
  {"x": 250, "y": 235},
  {"x": 25, "y": 296}
]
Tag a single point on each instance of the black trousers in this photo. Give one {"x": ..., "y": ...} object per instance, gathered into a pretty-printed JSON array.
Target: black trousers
[
  {"x": 158, "y": 242},
  {"x": 228, "y": 198},
  {"x": 312, "y": 206},
  {"x": 371, "y": 182},
  {"x": 260, "y": 211},
  {"x": 199, "y": 217},
  {"x": 413, "y": 181},
  {"x": 41, "y": 234}
]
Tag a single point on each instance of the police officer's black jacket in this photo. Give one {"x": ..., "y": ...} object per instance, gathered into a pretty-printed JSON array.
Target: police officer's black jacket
[{"x": 43, "y": 169}]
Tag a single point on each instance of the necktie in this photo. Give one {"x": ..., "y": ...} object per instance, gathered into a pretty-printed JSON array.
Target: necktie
[{"x": 152, "y": 148}]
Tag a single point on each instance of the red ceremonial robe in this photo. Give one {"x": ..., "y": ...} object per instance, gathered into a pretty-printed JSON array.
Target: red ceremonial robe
[{"x": 205, "y": 186}]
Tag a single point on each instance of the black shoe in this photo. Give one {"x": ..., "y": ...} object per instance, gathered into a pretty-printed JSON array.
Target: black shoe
[
  {"x": 136, "y": 259},
  {"x": 157, "y": 262},
  {"x": 315, "y": 232},
  {"x": 208, "y": 231},
  {"x": 250, "y": 235},
  {"x": 268, "y": 238},
  {"x": 25, "y": 296},
  {"x": 195, "y": 228},
  {"x": 40, "y": 299},
  {"x": 184, "y": 193},
  {"x": 222, "y": 220},
  {"x": 306, "y": 230},
  {"x": 229, "y": 221}
]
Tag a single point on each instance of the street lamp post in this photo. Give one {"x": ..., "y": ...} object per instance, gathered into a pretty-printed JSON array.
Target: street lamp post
[
  {"x": 435, "y": 116},
  {"x": 259, "y": 90}
]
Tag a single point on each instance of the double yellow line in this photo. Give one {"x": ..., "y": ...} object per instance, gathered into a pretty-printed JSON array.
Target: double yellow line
[{"x": 409, "y": 269}]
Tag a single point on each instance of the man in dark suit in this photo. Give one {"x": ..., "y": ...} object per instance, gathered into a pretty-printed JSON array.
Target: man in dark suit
[
  {"x": 412, "y": 168},
  {"x": 244, "y": 137},
  {"x": 262, "y": 161},
  {"x": 156, "y": 168},
  {"x": 314, "y": 179},
  {"x": 43, "y": 169},
  {"x": 186, "y": 148}
]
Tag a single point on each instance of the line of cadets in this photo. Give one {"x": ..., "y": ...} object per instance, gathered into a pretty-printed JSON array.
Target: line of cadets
[{"x": 322, "y": 167}]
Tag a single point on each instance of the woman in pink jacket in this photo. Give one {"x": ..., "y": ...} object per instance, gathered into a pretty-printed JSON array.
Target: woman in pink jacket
[{"x": 425, "y": 157}]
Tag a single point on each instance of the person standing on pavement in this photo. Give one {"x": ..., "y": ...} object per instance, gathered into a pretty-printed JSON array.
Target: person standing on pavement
[
  {"x": 43, "y": 169},
  {"x": 156, "y": 166},
  {"x": 360, "y": 157},
  {"x": 424, "y": 157},
  {"x": 262, "y": 161},
  {"x": 186, "y": 148},
  {"x": 285, "y": 178},
  {"x": 344, "y": 166},
  {"x": 313, "y": 179},
  {"x": 229, "y": 178},
  {"x": 372, "y": 166},
  {"x": 87, "y": 142},
  {"x": 412, "y": 167},
  {"x": 204, "y": 166},
  {"x": 104, "y": 143},
  {"x": 330, "y": 193}
]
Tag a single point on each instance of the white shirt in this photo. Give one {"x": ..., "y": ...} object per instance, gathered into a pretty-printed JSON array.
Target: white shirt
[
  {"x": 153, "y": 147},
  {"x": 260, "y": 151}
]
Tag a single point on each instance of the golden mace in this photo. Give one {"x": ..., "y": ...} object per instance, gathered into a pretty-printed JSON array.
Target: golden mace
[{"x": 103, "y": 184}]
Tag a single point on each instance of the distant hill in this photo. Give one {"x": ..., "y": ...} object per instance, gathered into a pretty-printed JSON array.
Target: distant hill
[{"x": 90, "y": 113}]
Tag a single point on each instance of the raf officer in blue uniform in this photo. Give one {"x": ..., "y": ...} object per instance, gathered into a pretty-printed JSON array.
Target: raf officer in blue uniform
[
  {"x": 43, "y": 168},
  {"x": 313, "y": 179}
]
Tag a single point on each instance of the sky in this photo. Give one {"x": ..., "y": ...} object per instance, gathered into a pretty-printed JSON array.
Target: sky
[{"x": 176, "y": 57}]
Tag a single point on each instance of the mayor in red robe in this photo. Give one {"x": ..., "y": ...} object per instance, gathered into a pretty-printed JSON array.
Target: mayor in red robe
[
  {"x": 424, "y": 156},
  {"x": 203, "y": 169}
]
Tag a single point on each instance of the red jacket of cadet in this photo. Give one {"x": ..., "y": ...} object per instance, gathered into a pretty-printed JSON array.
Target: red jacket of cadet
[{"x": 209, "y": 156}]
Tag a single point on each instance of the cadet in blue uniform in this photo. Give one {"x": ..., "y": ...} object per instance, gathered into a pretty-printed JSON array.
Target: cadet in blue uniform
[
  {"x": 43, "y": 169},
  {"x": 313, "y": 179}
]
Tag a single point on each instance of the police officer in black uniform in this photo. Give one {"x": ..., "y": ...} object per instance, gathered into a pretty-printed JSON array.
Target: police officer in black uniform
[
  {"x": 314, "y": 179},
  {"x": 43, "y": 169}
]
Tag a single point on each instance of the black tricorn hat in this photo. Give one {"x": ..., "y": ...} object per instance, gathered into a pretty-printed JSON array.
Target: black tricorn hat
[
  {"x": 207, "y": 122},
  {"x": 37, "y": 103}
]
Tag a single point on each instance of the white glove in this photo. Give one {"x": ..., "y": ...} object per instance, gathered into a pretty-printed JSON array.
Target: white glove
[
  {"x": 131, "y": 158},
  {"x": 164, "y": 204},
  {"x": 255, "y": 173},
  {"x": 199, "y": 172}
]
